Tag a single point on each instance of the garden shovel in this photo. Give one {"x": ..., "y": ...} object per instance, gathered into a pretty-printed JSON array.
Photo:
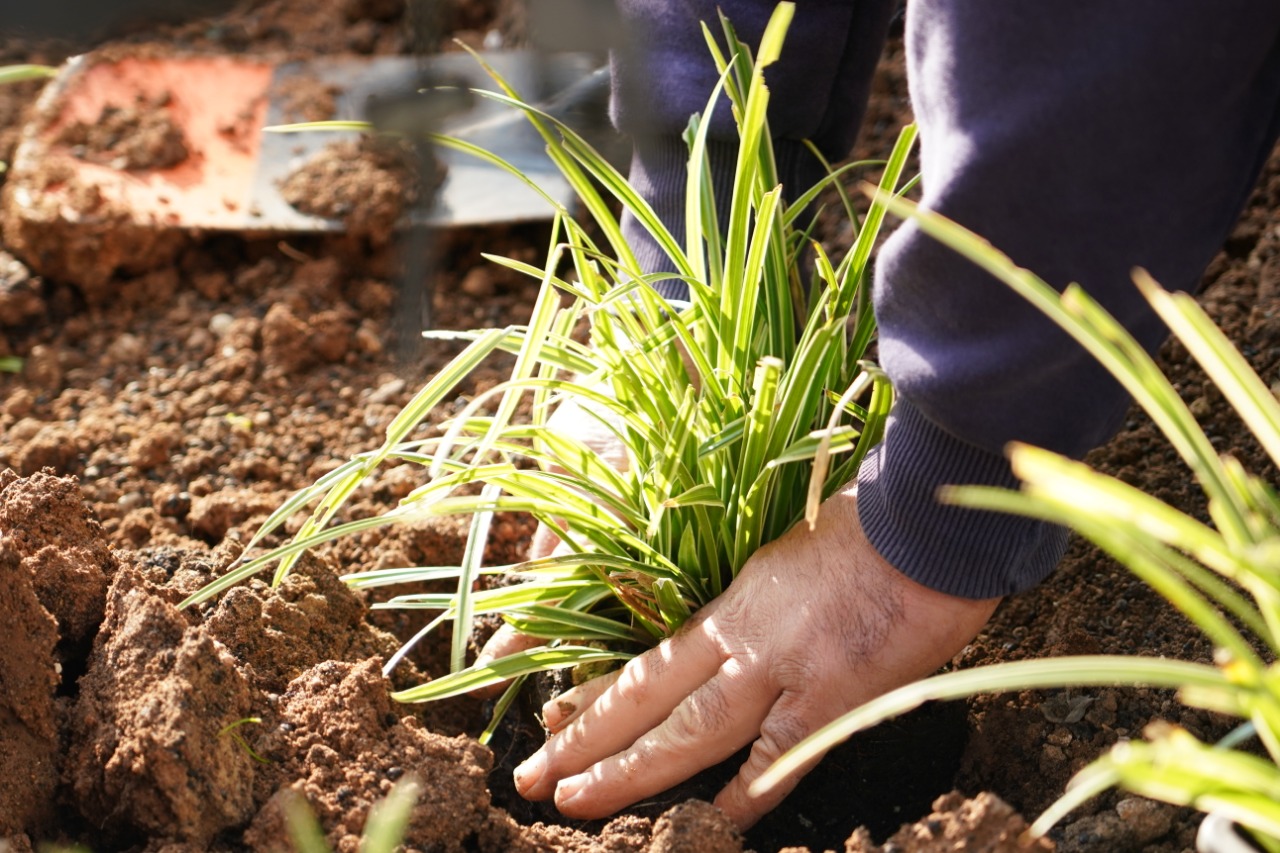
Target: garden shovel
[{"x": 231, "y": 177}]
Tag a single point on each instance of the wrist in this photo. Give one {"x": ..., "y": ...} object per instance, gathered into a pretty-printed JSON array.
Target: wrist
[{"x": 962, "y": 552}]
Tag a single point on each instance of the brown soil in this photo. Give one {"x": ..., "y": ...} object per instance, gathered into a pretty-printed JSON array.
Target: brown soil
[
  {"x": 130, "y": 138},
  {"x": 305, "y": 98},
  {"x": 160, "y": 416},
  {"x": 368, "y": 184}
]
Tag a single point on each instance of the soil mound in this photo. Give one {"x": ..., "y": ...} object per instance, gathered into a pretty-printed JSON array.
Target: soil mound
[
  {"x": 147, "y": 752},
  {"x": 28, "y": 679}
]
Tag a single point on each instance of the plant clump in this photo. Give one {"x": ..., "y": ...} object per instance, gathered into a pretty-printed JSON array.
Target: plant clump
[{"x": 735, "y": 412}]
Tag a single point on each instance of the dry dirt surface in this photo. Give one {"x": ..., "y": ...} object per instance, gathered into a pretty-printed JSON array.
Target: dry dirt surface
[{"x": 159, "y": 416}]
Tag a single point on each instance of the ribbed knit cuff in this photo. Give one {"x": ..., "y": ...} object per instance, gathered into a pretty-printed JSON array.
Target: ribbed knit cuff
[{"x": 963, "y": 552}]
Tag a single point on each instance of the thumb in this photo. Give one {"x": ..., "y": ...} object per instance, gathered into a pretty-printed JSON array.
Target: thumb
[{"x": 505, "y": 641}]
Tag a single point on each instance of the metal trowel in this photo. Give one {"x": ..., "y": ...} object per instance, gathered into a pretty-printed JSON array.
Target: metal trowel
[{"x": 230, "y": 179}]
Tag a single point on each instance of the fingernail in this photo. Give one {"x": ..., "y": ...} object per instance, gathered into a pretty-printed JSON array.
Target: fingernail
[
  {"x": 528, "y": 773},
  {"x": 569, "y": 788},
  {"x": 556, "y": 712}
]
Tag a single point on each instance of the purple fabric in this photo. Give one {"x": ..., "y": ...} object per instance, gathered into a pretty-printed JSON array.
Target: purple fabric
[
  {"x": 665, "y": 74},
  {"x": 1083, "y": 139}
]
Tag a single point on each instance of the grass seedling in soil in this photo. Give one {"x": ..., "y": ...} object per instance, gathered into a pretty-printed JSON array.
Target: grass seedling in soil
[
  {"x": 17, "y": 74},
  {"x": 384, "y": 829},
  {"x": 738, "y": 412},
  {"x": 1223, "y": 576},
  {"x": 230, "y": 730}
]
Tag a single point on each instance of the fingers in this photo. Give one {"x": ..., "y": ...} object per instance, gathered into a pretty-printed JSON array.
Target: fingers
[
  {"x": 544, "y": 542},
  {"x": 569, "y": 705},
  {"x": 645, "y": 692},
  {"x": 790, "y": 720},
  {"x": 711, "y": 724},
  {"x": 505, "y": 641}
]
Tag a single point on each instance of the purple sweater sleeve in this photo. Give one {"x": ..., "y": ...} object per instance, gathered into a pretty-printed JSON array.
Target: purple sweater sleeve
[{"x": 1083, "y": 139}]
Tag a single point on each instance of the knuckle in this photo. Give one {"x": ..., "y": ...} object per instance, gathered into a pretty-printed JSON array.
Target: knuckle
[
  {"x": 634, "y": 685},
  {"x": 703, "y": 712},
  {"x": 778, "y": 733}
]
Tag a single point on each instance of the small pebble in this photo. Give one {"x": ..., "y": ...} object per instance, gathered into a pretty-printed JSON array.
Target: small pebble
[
  {"x": 1146, "y": 818},
  {"x": 478, "y": 283},
  {"x": 220, "y": 323},
  {"x": 387, "y": 391}
]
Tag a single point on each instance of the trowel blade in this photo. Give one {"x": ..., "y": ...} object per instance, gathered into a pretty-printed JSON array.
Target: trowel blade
[{"x": 231, "y": 179}]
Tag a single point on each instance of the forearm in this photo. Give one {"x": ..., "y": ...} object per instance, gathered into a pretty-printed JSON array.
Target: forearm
[{"x": 1139, "y": 154}]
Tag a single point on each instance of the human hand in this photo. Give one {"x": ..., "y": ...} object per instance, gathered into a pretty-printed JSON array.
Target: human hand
[
  {"x": 570, "y": 418},
  {"x": 816, "y": 624}
]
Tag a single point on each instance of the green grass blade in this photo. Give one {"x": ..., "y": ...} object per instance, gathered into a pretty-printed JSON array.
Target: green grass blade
[
  {"x": 859, "y": 255},
  {"x": 501, "y": 707},
  {"x": 1230, "y": 373},
  {"x": 413, "y": 574},
  {"x": 513, "y": 666},
  {"x": 750, "y": 497},
  {"x": 671, "y": 605},
  {"x": 550, "y": 622},
  {"x": 472, "y": 557},
  {"x": 19, "y": 73},
  {"x": 409, "y": 417},
  {"x": 389, "y": 818},
  {"x": 1077, "y": 671}
]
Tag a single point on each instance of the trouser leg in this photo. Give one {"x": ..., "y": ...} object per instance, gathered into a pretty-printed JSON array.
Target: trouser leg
[{"x": 665, "y": 74}]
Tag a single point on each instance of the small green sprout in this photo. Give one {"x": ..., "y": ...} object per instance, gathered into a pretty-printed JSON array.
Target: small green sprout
[
  {"x": 229, "y": 730},
  {"x": 19, "y": 73},
  {"x": 238, "y": 422},
  {"x": 384, "y": 830}
]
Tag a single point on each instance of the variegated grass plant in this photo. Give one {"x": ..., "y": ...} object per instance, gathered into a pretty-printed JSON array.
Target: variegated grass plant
[
  {"x": 1223, "y": 576},
  {"x": 738, "y": 411}
]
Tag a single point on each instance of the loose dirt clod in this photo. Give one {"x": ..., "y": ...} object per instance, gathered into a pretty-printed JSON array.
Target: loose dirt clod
[
  {"x": 337, "y": 711},
  {"x": 368, "y": 184},
  {"x": 984, "y": 824},
  {"x": 61, "y": 546},
  {"x": 695, "y": 825},
  {"x": 146, "y": 753},
  {"x": 133, "y": 137},
  {"x": 311, "y": 617},
  {"x": 28, "y": 678}
]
